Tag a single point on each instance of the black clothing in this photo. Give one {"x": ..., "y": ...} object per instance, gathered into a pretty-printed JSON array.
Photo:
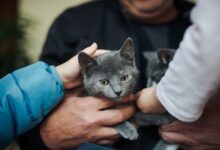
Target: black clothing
[{"x": 106, "y": 23}]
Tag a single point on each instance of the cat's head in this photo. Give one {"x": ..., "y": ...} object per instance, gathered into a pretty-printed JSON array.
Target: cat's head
[
  {"x": 157, "y": 64},
  {"x": 112, "y": 75}
]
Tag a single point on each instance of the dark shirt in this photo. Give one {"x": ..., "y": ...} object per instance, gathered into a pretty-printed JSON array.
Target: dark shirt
[{"x": 104, "y": 22}]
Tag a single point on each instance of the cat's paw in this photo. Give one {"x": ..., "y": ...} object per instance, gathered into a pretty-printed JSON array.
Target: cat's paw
[
  {"x": 162, "y": 145},
  {"x": 127, "y": 131}
]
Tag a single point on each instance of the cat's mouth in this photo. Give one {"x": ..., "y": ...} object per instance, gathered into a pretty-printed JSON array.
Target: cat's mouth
[
  {"x": 118, "y": 98},
  {"x": 115, "y": 98}
]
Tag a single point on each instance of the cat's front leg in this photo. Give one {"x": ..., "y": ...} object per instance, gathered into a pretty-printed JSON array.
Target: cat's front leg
[
  {"x": 161, "y": 145},
  {"x": 127, "y": 130}
]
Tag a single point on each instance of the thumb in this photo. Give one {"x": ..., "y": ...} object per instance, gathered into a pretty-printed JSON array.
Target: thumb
[
  {"x": 91, "y": 49},
  {"x": 70, "y": 70}
]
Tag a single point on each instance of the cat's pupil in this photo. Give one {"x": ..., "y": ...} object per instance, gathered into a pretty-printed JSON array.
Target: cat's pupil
[
  {"x": 104, "y": 82},
  {"x": 124, "y": 78}
]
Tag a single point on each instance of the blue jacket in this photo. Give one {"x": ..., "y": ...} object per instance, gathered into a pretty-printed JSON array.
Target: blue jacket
[{"x": 26, "y": 96}]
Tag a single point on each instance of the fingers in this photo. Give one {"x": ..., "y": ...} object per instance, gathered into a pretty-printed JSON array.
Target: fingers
[
  {"x": 106, "y": 136},
  {"x": 176, "y": 138},
  {"x": 201, "y": 147},
  {"x": 115, "y": 116},
  {"x": 98, "y": 103},
  {"x": 91, "y": 49},
  {"x": 127, "y": 99},
  {"x": 105, "y": 142},
  {"x": 107, "y": 133},
  {"x": 175, "y": 126}
]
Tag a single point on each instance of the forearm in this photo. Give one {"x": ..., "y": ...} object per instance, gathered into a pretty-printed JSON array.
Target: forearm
[
  {"x": 26, "y": 96},
  {"x": 194, "y": 73}
]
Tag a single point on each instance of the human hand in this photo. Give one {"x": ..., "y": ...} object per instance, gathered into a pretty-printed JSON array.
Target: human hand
[
  {"x": 70, "y": 71},
  {"x": 200, "y": 135},
  {"x": 148, "y": 102},
  {"x": 83, "y": 119}
]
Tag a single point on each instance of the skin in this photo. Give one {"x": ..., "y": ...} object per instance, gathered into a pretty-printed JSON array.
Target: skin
[
  {"x": 148, "y": 101},
  {"x": 56, "y": 131},
  {"x": 82, "y": 119},
  {"x": 69, "y": 71},
  {"x": 150, "y": 11},
  {"x": 202, "y": 134}
]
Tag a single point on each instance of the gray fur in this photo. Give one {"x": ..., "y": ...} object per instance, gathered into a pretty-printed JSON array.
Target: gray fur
[
  {"x": 157, "y": 64},
  {"x": 112, "y": 67},
  {"x": 119, "y": 70}
]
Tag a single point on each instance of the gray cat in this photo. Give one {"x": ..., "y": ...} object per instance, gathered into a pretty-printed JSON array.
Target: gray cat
[
  {"x": 113, "y": 76},
  {"x": 157, "y": 64}
]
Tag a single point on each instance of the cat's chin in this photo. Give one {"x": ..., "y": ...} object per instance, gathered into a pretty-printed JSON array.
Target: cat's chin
[{"x": 117, "y": 99}]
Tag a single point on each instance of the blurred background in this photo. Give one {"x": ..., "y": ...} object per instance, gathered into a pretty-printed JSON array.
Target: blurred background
[{"x": 23, "y": 29}]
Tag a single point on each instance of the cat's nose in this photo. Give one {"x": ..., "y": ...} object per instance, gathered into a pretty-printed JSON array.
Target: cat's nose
[{"x": 118, "y": 93}]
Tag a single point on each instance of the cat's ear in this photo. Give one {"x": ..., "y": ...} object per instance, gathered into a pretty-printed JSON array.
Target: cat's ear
[
  {"x": 165, "y": 55},
  {"x": 127, "y": 50},
  {"x": 86, "y": 62}
]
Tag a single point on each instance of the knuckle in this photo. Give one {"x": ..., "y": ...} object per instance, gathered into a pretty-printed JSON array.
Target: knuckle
[
  {"x": 89, "y": 121},
  {"x": 120, "y": 116},
  {"x": 115, "y": 135},
  {"x": 90, "y": 137}
]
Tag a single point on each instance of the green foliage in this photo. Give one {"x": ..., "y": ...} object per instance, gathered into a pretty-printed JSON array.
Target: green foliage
[{"x": 13, "y": 38}]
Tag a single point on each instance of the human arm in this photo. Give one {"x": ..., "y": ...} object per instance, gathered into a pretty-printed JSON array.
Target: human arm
[
  {"x": 26, "y": 96},
  {"x": 193, "y": 76},
  {"x": 82, "y": 119},
  {"x": 201, "y": 134}
]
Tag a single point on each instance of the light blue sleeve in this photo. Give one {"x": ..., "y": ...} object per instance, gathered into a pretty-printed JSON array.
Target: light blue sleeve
[{"x": 26, "y": 96}]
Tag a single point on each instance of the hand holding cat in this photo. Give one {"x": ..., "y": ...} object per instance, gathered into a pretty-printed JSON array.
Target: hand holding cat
[
  {"x": 70, "y": 71},
  {"x": 200, "y": 135},
  {"x": 82, "y": 119},
  {"x": 148, "y": 102}
]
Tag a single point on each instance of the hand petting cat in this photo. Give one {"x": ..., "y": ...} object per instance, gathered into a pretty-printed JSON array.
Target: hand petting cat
[{"x": 70, "y": 72}]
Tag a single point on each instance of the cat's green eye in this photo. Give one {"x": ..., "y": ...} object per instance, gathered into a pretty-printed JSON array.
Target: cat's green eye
[
  {"x": 104, "y": 82},
  {"x": 124, "y": 78}
]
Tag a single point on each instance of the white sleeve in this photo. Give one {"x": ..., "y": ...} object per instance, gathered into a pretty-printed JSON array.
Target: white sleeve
[{"x": 194, "y": 73}]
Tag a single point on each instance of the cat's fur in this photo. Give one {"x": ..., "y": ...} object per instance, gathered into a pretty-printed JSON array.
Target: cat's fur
[
  {"x": 103, "y": 77},
  {"x": 113, "y": 76},
  {"x": 157, "y": 64}
]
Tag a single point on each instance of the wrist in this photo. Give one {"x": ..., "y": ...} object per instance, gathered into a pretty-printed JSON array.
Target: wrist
[
  {"x": 148, "y": 101},
  {"x": 158, "y": 107},
  {"x": 61, "y": 73},
  {"x": 47, "y": 139}
]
